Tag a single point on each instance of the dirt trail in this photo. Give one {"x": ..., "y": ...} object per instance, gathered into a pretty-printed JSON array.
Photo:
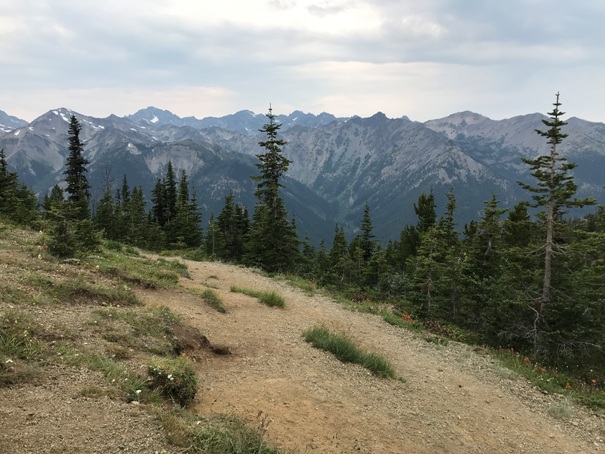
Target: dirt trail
[{"x": 452, "y": 400}]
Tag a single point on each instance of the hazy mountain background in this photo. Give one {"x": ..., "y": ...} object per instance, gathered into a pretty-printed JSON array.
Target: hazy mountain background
[{"x": 337, "y": 163}]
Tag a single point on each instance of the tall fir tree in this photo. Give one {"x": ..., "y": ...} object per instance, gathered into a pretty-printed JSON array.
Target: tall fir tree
[
  {"x": 75, "y": 173},
  {"x": 367, "y": 238},
  {"x": 170, "y": 193},
  {"x": 554, "y": 192},
  {"x": 272, "y": 243}
]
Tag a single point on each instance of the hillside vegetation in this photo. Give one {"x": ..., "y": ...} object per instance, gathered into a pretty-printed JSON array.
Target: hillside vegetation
[{"x": 89, "y": 348}]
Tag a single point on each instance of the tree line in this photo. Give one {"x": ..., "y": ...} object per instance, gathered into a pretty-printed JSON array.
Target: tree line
[{"x": 527, "y": 278}]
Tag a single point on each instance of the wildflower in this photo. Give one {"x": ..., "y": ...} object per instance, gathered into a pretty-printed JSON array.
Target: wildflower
[
  {"x": 593, "y": 381},
  {"x": 138, "y": 391},
  {"x": 170, "y": 377},
  {"x": 8, "y": 361},
  {"x": 568, "y": 386},
  {"x": 526, "y": 360}
]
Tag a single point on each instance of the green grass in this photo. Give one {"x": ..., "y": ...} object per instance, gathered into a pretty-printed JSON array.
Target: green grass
[
  {"x": 553, "y": 381},
  {"x": 307, "y": 286},
  {"x": 346, "y": 351},
  {"x": 178, "y": 267},
  {"x": 13, "y": 295},
  {"x": 399, "y": 321},
  {"x": 147, "y": 330},
  {"x": 77, "y": 291},
  {"x": 225, "y": 434},
  {"x": 139, "y": 271},
  {"x": 130, "y": 386},
  {"x": 270, "y": 299},
  {"x": 214, "y": 434},
  {"x": 212, "y": 299},
  {"x": 19, "y": 337}
]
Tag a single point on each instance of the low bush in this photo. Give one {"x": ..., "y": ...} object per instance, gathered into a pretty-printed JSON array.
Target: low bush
[{"x": 173, "y": 378}]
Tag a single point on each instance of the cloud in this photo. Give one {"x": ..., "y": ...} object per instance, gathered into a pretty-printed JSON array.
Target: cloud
[{"x": 355, "y": 54}]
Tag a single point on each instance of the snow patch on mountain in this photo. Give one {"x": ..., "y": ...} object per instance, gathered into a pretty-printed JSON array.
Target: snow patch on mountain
[{"x": 132, "y": 149}]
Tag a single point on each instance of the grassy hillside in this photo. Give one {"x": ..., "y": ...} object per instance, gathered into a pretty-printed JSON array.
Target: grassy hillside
[{"x": 78, "y": 333}]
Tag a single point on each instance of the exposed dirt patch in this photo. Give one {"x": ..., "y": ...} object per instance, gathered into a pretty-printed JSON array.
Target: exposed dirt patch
[
  {"x": 453, "y": 400},
  {"x": 55, "y": 418}
]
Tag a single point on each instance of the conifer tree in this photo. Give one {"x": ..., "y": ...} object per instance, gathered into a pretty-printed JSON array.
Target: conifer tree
[
  {"x": 486, "y": 268},
  {"x": 136, "y": 218},
  {"x": 231, "y": 230},
  {"x": 71, "y": 231},
  {"x": 75, "y": 174},
  {"x": 54, "y": 200},
  {"x": 212, "y": 237},
  {"x": 272, "y": 243},
  {"x": 170, "y": 193},
  {"x": 367, "y": 239},
  {"x": 553, "y": 193},
  {"x": 158, "y": 198},
  {"x": 409, "y": 240},
  {"x": 17, "y": 202},
  {"x": 341, "y": 265},
  {"x": 104, "y": 217}
]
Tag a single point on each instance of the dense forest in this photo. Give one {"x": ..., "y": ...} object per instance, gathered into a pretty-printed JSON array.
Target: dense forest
[{"x": 529, "y": 279}]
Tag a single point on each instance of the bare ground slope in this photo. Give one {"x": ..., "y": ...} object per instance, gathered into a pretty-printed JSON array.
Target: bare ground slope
[{"x": 453, "y": 400}]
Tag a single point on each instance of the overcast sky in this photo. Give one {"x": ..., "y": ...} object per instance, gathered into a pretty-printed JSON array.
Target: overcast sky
[{"x": 421, "y": 58}]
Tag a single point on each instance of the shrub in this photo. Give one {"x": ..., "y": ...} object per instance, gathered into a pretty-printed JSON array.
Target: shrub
[{"x": 174, "y": 378}]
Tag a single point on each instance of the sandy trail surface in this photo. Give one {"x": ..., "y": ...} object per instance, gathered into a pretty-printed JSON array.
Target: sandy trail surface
[{"x": 450, "y": 399}]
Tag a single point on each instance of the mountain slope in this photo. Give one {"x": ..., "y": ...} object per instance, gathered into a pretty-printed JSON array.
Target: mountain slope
[
  {"x": 337, "y": 164},
  {"x": 243, "y": 122},
  {"x": 8, "y": 122}
]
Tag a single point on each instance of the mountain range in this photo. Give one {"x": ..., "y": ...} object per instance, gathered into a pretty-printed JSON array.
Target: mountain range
[{"x": 338, "y": 164}]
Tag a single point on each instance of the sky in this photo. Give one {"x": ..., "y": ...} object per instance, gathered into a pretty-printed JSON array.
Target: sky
[{"x": 424, "y": 59}]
